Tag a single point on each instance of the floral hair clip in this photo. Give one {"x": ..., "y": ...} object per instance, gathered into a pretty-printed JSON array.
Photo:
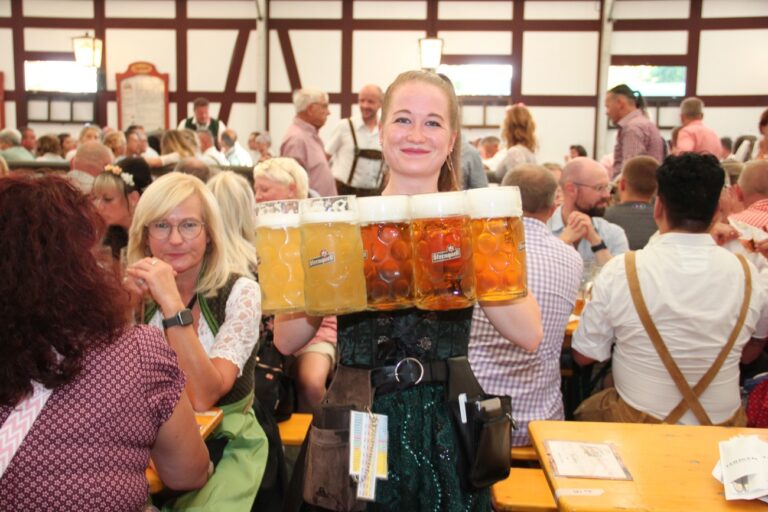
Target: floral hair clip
[{"x": 118, "y": 171}]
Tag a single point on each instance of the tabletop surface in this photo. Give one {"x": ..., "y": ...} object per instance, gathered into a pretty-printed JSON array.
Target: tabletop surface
[{"x": 671, "y": 467}]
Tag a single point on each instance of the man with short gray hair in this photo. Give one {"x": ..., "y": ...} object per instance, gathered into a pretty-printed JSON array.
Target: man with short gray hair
[
  {"x": 211, "y": 155},
  {"x": 89, "y": 161},
  {"x": 11, "y": 149},
  {"x": 694, "y": 136},
  {"x": 302, "y": 142}
]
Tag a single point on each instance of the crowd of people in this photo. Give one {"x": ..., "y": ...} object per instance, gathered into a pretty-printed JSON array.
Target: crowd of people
[{"x": 131, "y": 288}]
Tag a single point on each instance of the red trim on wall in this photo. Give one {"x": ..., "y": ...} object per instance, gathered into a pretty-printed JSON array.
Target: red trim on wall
[
  {"x": 685, "y": 24},
  {"x": 648, "y": 60},
  {"x": 142, "y": 23},
  {"x": 182, "y": 94},
  {"x": 476, "y": 59},
  {"x": 62, "y": 56},
  {"x": 17, "y": 26},
  {"x": 694, "y": 34},
  {"x": 235, "y": 66},
  {"x": 518, "y": 15},
  {"x": 2, "y": 100},
  {"x": 598, "y": 111},
  {"x": 100, "y": 32},
  {"x": 290, "y": 60},
  {"x": 346, "y": 58}
]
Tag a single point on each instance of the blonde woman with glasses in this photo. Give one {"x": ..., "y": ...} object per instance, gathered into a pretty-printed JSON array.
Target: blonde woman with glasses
[{"x": 210, "y": 315}]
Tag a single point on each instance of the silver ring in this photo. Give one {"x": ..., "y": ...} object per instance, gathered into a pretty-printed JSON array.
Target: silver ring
[
  {"x": 153, "y": 262},
  {"x": 397, "y": 369},
  {"x": 140, "y": 281}
]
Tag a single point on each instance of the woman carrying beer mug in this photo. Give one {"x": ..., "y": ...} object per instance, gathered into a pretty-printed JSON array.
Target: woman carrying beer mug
[{"x": 419, "y": 132}]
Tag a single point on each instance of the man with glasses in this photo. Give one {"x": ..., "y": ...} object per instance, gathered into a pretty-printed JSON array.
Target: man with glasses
[{"x": 578, "y": 221}]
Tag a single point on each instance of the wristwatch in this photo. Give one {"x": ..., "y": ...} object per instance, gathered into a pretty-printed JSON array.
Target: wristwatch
[
  {"x": 599, "y": 247},
  {"x": 182, "y": 318}
]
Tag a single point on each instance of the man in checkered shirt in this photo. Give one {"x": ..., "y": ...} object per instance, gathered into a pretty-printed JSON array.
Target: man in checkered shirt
[{"x": 554, "y": 269}]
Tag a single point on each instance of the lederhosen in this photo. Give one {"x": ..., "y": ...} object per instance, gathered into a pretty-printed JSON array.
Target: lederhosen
[{"x": 369, "y": 154}]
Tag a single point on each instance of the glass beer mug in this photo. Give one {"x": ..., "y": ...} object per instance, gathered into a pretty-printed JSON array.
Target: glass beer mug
[
  {"x": 386, "y": 232},
  {"x": 498, "y": 241},
  {"x": 278, "y": 245},
  {"x": 332, "y": 256},
  {"x": 444, "y": 276}
]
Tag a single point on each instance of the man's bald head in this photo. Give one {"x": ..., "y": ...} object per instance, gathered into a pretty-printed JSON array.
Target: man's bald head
[
  {"x": 582, "y": 168},
  {"x": 753, "y": 181},
  {"x": 586, "y": 187},
  {"x": 91, "y": 157},
  {"x": 369, "y": 101}
]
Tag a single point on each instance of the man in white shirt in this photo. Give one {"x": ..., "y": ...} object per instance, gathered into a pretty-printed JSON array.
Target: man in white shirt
[
  {"x": 578, "y": 221},
  {"x": 211, "y": 155},
  {"x": 693, "y": 290},
  {"x": 202, "y": 120},
  {"x": 235, "y": 153},
  {"x": 354, "y": 147}
]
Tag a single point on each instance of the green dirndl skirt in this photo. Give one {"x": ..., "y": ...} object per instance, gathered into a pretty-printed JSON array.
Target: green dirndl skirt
[{"x": 234, "y": 484}]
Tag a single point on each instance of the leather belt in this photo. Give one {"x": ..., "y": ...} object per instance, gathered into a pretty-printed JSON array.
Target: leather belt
[{"x": 407, "y": 373}]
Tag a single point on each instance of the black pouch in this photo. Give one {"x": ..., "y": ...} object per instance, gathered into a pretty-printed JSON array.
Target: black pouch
[
  {"x": 483, "y": 431},
  {"x": 327, "y": 483}
]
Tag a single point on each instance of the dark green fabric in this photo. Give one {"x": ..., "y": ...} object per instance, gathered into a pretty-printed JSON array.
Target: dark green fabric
[{"x": 422, "y": 447}]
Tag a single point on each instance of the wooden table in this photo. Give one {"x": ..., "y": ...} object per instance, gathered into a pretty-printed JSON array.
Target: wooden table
[
  {"x": 207, "y": 421},
  {"x": 671, "y": 467}
]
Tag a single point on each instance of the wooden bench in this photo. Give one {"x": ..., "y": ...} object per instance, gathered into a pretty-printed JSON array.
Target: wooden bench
[
  {"x": 294, "y": 429},
  {"x": 524, "y": 490},
  {"x": 527, "y": 453}
]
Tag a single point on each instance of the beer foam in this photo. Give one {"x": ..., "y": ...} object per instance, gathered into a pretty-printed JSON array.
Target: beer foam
[
  {"x": 328, "y": 209},
  {"x": 383, "y": 208},
  {"x": 277, "y": 220},
  {"x": 441, "y": 204},
  {"x": 493, "y": 202}
]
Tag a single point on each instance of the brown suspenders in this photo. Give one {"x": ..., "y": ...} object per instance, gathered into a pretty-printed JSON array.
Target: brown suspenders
[
  {"x": 372, "y": 154},
  {"x": 690, "y": 396}
]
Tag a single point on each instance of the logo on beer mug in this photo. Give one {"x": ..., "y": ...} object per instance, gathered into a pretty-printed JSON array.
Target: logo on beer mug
[
  {"x": 325, "y": 257},
  {"x": 450, "y": 253}
]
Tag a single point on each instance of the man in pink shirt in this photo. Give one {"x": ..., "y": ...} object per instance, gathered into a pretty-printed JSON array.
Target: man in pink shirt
[
  {"x": 753, "y": 192},
  {"x": 694, "y": 136},
  {"x": 302, "y": 143}
]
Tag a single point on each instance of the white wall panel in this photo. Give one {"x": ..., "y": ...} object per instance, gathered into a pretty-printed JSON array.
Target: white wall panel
[
  {"x": 37, "y": 109},
  {"x": 318, "y": 58},
  {"x": 112, "y": 116},
  {"x": 140, "y": 9},
  {"x": 82, "y": 111},
  {"x": 474, "y": 10},
  {"x": 458, "y": 42},
  {"x": 570, "y": 10},
  {"x": 402, "y": 54},
  {"x": 6, "y": 58},
  {"x": 326, "y": 132},
  {"x": 727, "y": 66},
  {"x": 278, "y": 76},
  {"x": 125, "y": 46},
  {"x": 651, "y": 9},
  {"x": 247, "y": 80},
  {"x": 58, "y": 8},
  {"x": 494, "y": 116},
  {"x": 733, "y": 8},
  {"x": 50, "y": 39},
  {"x": 10, "y": 114},
  {"x": 208, "y": 58},
  {"x": 472, "y": 115},
  {"x": 280, "y": 117},
  {"x": 642, "y": 42},
  {"x": 733, "y": 121},
  {"x": 305, "y": 9},
  {"x": 5, "y": 8},
  {"x": 669, "y": 116},
  {"x": 405, "y": 10},
  {"x": 242, "y": 119},
  {"x": 555, "y": 135},
  {"x": 234, "y": 9},
  {"x": 560, "y": 63}
]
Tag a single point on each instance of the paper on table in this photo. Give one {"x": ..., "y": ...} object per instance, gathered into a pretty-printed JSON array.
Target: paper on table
[
  {"x": 743, "y": 467},
  {"x": 586, "y": 460}
]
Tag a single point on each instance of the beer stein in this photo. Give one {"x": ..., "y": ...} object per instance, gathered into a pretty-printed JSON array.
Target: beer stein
[
  {"x": 441, "y": 238},
  {"x": 498, "y": 240},
  {"x": 278, "y": 246},
  {"x": 332, "y": 256},
  {"x": 386, "y": 232}
]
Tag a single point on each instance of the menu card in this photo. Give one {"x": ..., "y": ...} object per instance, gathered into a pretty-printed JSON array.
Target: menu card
[
  {"x": 743, "y": 468},
  {"x": 586, "y": 460}
]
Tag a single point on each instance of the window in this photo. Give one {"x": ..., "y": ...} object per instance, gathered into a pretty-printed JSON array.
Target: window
[
  {"x": 59, "y": 76},
  {"x": 479, "y": 79},
  {"x": 651, "y": 81}
]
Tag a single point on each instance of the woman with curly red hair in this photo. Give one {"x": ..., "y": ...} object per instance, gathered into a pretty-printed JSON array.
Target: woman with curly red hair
[{"x": 103, "y": 397}]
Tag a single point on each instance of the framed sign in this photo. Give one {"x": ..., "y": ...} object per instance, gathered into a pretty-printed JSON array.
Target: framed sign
[{"x": 142, "y": 97}]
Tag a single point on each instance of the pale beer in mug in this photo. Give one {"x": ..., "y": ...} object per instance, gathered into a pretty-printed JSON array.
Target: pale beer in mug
[
  {"x": 386, "y": 231},
  {"x": 332, "y": 256},
  {"x": 498, "y": 241},
  {"x": 278, "y": 246},
  {"x": 442, "y": 251}
]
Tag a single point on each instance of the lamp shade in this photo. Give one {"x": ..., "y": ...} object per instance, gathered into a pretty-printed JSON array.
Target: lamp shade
[
  {"x": 431, "y": 52},
  {"x": 87, "y": 50}
]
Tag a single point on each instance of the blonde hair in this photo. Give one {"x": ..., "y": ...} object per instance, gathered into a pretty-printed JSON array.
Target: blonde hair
[
  {"x": 182, "y": 142},
  {"x": 449, "y": 178},
  {"x": 285, "y": 171},
  {"x": 114, "y": 141},
  {"x": 165, "y": 194},
  {"x": 86, "y": 130},
  {"x": 519, "y": 128},
  {"x": 238, "y": 214},
  {"x": 4, "y": 171}
]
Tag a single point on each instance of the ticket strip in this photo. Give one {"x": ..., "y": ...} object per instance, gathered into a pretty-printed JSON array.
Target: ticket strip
[{"x": 368, "y": 452}]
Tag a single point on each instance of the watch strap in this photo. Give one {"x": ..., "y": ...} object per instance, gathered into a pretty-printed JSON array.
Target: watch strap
[
  {"x": 599, "y": 247},
  {"x": 182, "y": 318}
]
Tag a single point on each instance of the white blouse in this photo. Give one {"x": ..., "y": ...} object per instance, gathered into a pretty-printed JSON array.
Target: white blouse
[{"x": 239, "y": 333}]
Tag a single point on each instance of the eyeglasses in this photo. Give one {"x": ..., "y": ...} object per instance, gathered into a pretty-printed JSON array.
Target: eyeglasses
[
  {"x": 188, "y": 229},
  {"x": 597, "y": 188}
]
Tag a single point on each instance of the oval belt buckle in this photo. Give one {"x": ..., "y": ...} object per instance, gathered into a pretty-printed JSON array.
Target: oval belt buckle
[{"x": 410, "y": 361}]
